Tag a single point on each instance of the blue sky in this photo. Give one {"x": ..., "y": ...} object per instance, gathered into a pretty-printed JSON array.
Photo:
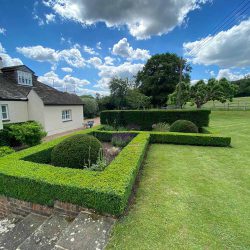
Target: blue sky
[{"x": 79, "y": 45}]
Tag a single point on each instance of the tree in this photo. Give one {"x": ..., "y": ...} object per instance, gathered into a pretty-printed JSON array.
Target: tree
[
  {"x": 215, "y": 90},
  {"x": 184, "y": 95},
  {"x": 160, "y": 75},
  {"x": 136, "y": 100},
  {"x": 105, "y": 103},
  {"x": 118, "y": 91},
  {"x": 90, "y": 106}
]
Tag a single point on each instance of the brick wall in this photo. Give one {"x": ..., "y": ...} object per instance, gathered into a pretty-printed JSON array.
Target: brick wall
[{"x": 23, "y": 208}]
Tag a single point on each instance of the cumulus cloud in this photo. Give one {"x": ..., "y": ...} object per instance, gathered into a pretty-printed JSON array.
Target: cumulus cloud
[
  {"x": 2, "y": 31},
  {"x": 50, "y": 18},
  {"x": 107, "y": 72},
  {"x": 143, "y": 18},
  {"x": 67, "y": 69},
  {"x": 99, "y": 45},
  {"x": 43, "y": 54},
  {"x": 95, "y": 61},
  {"x": 228, "y": 48},
  {"x": 109, "y": 60},
  {"x": 123, "y": 49},
  {"x": 7, "y": 59},
  {"x": 89, "y": 50},
  {"x": 227, "y": 73},
  {"x": 69, "y": 84}
]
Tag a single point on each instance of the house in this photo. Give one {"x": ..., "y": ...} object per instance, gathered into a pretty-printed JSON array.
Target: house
[{"x": 24, "y": 98}]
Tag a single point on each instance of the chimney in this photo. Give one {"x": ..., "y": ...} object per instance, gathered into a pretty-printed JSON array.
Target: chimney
[{"x": 1, "y": 63}]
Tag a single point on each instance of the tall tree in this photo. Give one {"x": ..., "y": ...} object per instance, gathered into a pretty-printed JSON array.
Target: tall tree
[
  {"x": 180, "y": 97},
  {"x": 136, "y": 100},
  {"x": 118, "y": 91},
  {"x": 160, "y": 75}
]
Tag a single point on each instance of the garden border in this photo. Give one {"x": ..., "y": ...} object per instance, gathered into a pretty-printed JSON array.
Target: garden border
[{"x": 107, "y": 191}]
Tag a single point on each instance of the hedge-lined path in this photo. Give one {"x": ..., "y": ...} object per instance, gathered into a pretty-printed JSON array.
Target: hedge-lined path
[
  {"x": 193, "y": 197},
  {"x": 52, "y": 137}
]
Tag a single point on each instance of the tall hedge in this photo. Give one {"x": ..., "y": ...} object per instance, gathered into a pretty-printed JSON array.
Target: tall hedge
[{"x": 146, "y": 118}]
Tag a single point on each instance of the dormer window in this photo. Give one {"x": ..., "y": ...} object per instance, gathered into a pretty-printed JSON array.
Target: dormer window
[{"x": 24, "y": 78}]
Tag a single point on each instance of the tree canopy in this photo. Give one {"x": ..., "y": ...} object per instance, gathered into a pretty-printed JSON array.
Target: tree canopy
[{"x": 160, "y": 75}]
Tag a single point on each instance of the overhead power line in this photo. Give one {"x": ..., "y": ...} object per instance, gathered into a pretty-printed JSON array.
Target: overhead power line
[{"x": 235, "y": 15}]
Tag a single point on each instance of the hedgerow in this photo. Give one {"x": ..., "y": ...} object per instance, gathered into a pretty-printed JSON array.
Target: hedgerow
[
  {"x": 146, "y": 118},
  {"x": 173, "y": 138},
  {"x": 27, "y": 175},
  {"x": 107, "y": 191}
]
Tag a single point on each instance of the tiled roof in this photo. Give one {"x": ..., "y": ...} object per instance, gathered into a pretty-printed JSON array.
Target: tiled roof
[{"x": 12, "y": 91}]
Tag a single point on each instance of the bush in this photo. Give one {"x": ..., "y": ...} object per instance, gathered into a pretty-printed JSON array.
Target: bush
[
  {"x": 184, "y": 126},
  {"x": 78, "y": 151},
  {"x": 90, "y": 107},
  {"x": 6, "y": 151},
  {"x": 161, "y": 127},
  {"x": 146, "y": 118},
  {"x": 190, "y": 139},
  {"x": 27, "y": 133},
  {"x": 121, "y": 140},
  {"x": 106, "y": 191}
]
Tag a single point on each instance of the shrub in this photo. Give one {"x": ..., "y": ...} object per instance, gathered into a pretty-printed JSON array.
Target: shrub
[
  {"x": 108, "y": 128},
  {"x": 121, "y": 140},
  {"x": 27, "y": 133},
  {"x": 184, "y": 126},
  {"x": 190, "y": 139},
  {"x": 161, "y": 127},
  {"x": 6, "y": 151},
  {"x": 146, "y": 118},
  {"x": 77, "y": 151},
  {"x": 90, "y": 107}
]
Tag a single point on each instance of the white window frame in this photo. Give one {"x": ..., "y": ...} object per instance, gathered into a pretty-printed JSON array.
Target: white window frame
[
  {"x": 67, "y": 115},
  {"x": 24, "y": 78},
  {"x": 7, "y": 112}
]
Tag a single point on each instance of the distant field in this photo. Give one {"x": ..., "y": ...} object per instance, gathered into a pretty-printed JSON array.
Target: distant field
[{"x": 239, "y": 103}]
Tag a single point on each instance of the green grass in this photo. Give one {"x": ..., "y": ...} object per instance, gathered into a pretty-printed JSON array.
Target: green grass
[
  {"x": 238, "y": 103},
  {"x": 193, "y": 197}
]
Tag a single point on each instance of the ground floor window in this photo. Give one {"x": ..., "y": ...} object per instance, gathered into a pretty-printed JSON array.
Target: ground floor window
[
  {"x": 66, "y": 115},
  {"x": 5, "y": 112}
]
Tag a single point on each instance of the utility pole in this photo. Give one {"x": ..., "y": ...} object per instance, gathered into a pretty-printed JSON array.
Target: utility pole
[{"x": 179, "y": 85}]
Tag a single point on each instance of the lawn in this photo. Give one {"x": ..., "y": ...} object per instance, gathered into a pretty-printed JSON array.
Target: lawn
[{"x": 192, "y": 197}]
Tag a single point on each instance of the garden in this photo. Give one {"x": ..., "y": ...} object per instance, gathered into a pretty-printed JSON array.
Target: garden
[{"x": 97, "y": 168}]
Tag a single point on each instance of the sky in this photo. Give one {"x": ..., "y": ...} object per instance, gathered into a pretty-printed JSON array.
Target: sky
[{"x": 79, "y": 45}]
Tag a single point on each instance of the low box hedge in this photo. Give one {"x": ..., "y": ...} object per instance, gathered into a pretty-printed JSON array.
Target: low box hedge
[
  {"x": 106, "y": 192},
  {"x": 146, "y": 118},
  {"x": 173, "y": 138}
]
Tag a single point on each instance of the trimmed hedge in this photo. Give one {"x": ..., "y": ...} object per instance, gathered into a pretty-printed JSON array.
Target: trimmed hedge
[
  {"x": 173, "y": 138},
  {"x": 190, "y": 139},
  {"x": 146, "y": 118},
  {"x": 106, "y": 192},
  {"x": 184, "y": 126}
]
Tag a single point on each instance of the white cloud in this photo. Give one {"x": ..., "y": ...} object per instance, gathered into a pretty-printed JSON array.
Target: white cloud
[
  {"x": 107, "y": 72},
  {"x": 50, "y": 18},
  {"x": 142, "y": 17},
  {"x": 123, "y": 49},
  {"x": 99, "y": 45},
  {"x": 2, "y": 31},
  {"x": 69, "y": 83},
  {"x": 39, "y": 53},
  {"x": 89, "y": 50},
  {"x": 229, "y": 48},
  {"x": 67, "y": 69},
  {"x": 95, "y": 61},
  {"x": 109, "y": 60},
  {"x": 193, "y": 82},
  {"x": 227, "y": 73},
  {"x": 8, "y": 60},
  {"x": 43, "y": 54}
]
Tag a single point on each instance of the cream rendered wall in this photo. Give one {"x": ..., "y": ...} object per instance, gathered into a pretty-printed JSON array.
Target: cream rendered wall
[
  {"x": 35, "y": 108},
  {"x": 53, "y": 118},
  {"x": 18, "y": 111}
]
